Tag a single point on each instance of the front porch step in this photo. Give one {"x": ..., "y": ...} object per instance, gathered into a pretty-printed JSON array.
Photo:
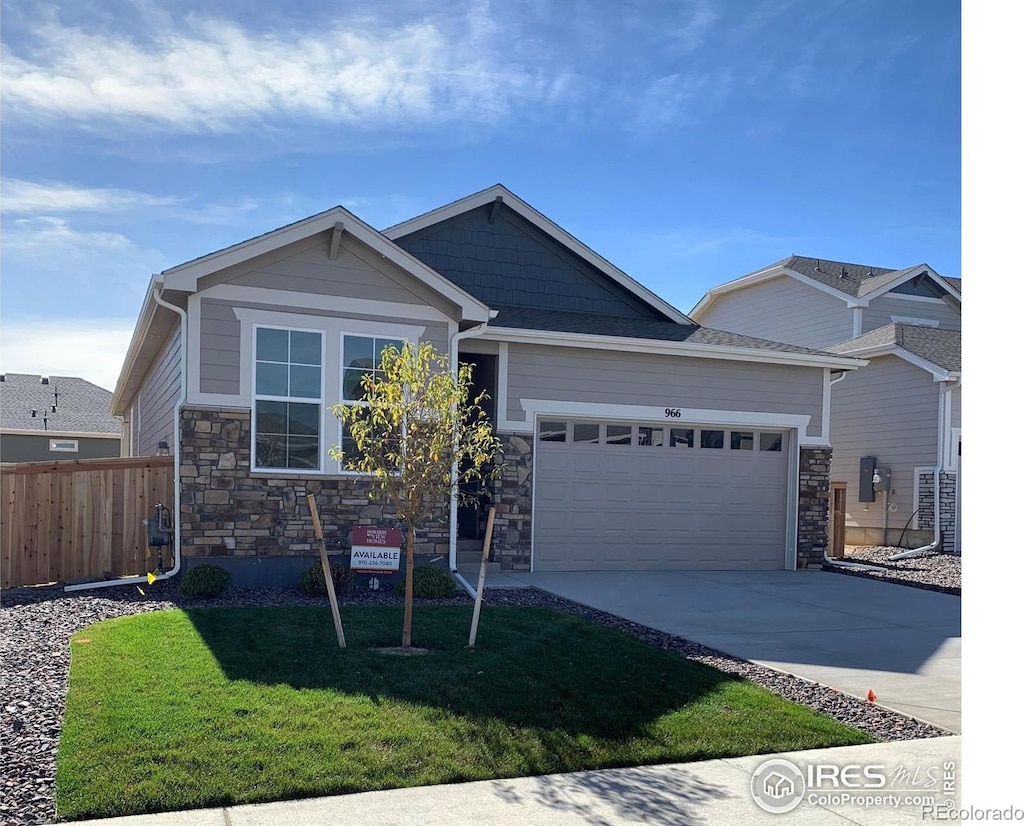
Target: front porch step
[
  {"x": 469, "y": 545},
  {"x": 471, "y": 566}
]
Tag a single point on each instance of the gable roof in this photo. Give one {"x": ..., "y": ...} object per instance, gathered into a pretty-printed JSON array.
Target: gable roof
[
  {"x": 502, "y": 197},
  {"x": 855, "y": 283},
  {"x": 82, "y": 407},
  {"x": 186, "y": 276},
  {"x": 937, "y": 346}
]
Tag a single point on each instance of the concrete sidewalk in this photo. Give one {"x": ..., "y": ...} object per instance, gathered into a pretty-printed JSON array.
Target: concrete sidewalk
[{"x": 709, "y": 792}]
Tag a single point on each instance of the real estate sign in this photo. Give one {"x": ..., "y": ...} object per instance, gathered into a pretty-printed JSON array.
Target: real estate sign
[{"x": 376, "y": 549}]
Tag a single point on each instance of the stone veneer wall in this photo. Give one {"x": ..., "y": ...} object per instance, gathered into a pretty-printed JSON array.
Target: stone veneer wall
[
  {"x": 513, "y": 498},
  {"x": 947, "y": 506},
  {"x": 228, "y": 511},
  {"x": 812, "y": 512}
]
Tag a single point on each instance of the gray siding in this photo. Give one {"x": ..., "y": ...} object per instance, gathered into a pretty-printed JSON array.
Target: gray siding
[
  {"x": 955, "y": 404},
  {"x": 609, "y": 377},
  {"x": 509, "y": 262},
  {"x": 888, "y": 410},
  {"x": 880, "y": 311},
  {"x": 785, "y": 310},
  {"x": 307, "y": 268},
  {"x": 16, "y": 447},
  {"x": 157, "y": 397},
  {"x": 219, "y": 337}
]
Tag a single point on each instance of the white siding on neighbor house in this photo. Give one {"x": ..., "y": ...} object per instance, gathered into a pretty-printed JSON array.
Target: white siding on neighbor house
[
  {"x": 157, "y": 397},
  {"x": 785, "y": 310},
  {"x": 881, "y": 310},
  {"x": 609, "y": 377},
  {"x": 888, "y": 410}
]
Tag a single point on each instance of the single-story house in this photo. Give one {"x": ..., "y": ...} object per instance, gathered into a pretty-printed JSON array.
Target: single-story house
[
  {"x": 633, "y": 437},
  {"x": 55, "y": 417},
  {"x": 897, "y": 420}
]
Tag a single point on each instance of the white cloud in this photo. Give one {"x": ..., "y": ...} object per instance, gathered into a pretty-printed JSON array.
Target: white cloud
[
  {"x": 50, "y": 197},
  {"x": 92, "y": 349},
  {"x": 212, "y": 75},
  {"x": 56, "y": 237}
]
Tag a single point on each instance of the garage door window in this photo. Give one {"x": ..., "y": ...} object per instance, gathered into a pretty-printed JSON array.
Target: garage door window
[
  {"x": 771, "y": 442},
  {"x": 681, "y": 437},
  {"x": 713, "y": 439},
  {"x": 619, "y": 434},
  {"x": 741, "y": 440},
  {"x": 553, "y": 431},
  {"x": 586, "y": 433},
  {"x": 651, "y": 436}
]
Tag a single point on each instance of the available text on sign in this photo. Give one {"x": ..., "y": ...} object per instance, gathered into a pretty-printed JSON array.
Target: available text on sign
[{"x": 376, "y": 549}]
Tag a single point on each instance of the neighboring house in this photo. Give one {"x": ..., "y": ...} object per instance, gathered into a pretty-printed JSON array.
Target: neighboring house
[
  {"x": 903, "y": 411},
  {"x": 634, "y": 438},
  {"x": 55, "y": 417}
]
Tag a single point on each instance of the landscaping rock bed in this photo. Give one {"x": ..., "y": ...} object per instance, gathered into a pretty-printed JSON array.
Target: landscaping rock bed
[
  {"x": 933, "y": 571},
  {"x": 36, "y": 626}
]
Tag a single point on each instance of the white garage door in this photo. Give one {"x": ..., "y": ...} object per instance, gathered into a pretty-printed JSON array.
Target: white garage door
[{"x": 633, "y": 496}]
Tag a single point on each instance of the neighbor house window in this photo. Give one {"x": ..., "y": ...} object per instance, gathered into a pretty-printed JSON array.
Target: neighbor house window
[
  {"x": 360, "y": 356},
  {"x": 64, "y": 445},
  {"x": 288, "y": 399}
]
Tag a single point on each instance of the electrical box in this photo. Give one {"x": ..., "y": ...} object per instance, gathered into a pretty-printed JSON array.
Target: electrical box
[
  {"x": 866, "y": 492},
  {"x": 884, "y": 476}
]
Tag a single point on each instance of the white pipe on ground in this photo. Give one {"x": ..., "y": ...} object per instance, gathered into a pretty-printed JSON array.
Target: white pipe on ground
[
  {"x": 135, "y": 580},
  {"x": 944, "y": 390}
]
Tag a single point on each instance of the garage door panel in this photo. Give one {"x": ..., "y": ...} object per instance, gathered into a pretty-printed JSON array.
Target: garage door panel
[{"x": 622, "y": 507}]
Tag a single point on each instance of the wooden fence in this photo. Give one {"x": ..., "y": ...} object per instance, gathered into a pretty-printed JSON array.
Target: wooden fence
[{"x": 80, "y": 518}]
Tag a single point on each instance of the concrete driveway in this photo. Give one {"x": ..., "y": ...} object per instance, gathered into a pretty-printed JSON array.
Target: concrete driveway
[{"x": 846, "y": 632}]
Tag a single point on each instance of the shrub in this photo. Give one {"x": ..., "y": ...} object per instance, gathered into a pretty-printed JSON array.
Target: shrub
[
  {"x": 430, "y": 582},
  {"x": 312, "y": 580},
  {"x": 205, "y": 581}
]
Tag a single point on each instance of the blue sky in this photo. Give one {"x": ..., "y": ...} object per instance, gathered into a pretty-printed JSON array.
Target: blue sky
[{"x": 687, "y": 142}]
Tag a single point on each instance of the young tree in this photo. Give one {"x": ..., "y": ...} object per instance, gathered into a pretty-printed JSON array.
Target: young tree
[{"x": 418, "y": 435}]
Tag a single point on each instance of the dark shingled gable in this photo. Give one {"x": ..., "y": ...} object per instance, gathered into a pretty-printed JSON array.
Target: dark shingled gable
[
  {"x": 82, "y": 407},
  {"x": 509, "y": 262},
  {"x": 855, "y": 280}
]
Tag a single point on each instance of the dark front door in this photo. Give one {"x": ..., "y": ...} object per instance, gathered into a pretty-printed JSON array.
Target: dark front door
[{"x": 485, "y": 380}]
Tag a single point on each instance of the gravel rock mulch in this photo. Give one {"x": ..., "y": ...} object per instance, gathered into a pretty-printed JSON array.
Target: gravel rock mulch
[
  {"x": 36, "y": 626},
  {"x": 932, "y": 572}
]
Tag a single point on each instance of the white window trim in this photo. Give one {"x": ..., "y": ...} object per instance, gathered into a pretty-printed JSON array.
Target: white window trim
[
  {"x": 55, "y": 449},
  {"x": 920, "y": 322},
  {"x": 321, "y": 452}
]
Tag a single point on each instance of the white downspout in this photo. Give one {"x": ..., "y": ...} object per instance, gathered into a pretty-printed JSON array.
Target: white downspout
[
  {"x": 842, "y": 563},
  {"x": 177, "y": 459},
  {"x": 940, "y": 457},
  {"x": 453, "y": 505}
]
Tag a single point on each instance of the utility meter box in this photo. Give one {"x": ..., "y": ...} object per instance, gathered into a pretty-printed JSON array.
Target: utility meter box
[
  {"x": 884, "y": 477},
  {"x": 866, "y": 492}
]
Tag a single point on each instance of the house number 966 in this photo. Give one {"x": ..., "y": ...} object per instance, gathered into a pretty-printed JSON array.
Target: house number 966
[{"x": 673, "y": 413}]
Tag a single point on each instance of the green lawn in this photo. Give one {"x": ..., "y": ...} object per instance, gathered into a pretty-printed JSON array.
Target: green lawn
[{"x": 186, "y": 709}]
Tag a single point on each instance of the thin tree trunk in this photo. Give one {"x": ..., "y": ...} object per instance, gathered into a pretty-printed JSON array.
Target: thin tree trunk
[{"x": 410, "y": 540}]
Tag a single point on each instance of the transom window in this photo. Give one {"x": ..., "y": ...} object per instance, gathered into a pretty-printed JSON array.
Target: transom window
[{"x": 288, "y": 399}]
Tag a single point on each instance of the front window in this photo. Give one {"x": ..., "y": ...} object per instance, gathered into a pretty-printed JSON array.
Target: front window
[
  {"x": 288, "y": 399},
  {"x": 360, "y": 356}
]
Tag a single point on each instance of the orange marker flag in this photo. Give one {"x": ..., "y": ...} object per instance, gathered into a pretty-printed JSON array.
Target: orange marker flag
[{"x": 871, "y": 696}]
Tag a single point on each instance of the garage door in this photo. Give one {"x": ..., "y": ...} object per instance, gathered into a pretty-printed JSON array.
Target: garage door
[{"x": 635, "y": 496}]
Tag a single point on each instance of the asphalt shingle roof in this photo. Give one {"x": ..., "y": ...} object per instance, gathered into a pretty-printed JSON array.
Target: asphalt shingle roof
[
  {"x": 939, "y": 346},
  {"x": 523, "y": 318},
  {"x": 855, "y": 280},
  {"x": 82, "y": 407}
]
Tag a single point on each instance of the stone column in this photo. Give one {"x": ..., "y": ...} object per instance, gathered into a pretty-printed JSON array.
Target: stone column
[{"x": 812, "y": 512}]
